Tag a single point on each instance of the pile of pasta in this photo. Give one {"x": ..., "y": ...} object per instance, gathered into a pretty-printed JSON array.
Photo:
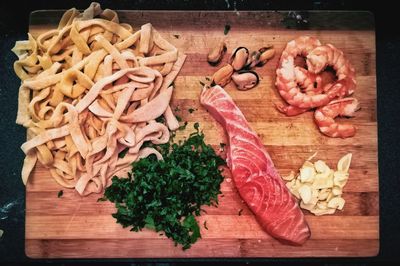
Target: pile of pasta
[{"x": 91, "y": 89}]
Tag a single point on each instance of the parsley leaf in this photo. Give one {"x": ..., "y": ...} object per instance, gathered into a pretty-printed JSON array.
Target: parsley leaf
[
  {"x": 167, "y": 195},
  {"x": 123, "y": 153},
  {"x": 191, "y": 110},
  {"x": 227, "y": 29},
  {"x": 60, "y": 193}
]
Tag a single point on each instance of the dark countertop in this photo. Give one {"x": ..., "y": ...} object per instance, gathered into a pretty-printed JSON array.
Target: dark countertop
[{"x": 14, "y": 25}]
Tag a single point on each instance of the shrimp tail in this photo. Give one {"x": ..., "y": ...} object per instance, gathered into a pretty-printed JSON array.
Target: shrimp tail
[{"x": 290, "y": 110}]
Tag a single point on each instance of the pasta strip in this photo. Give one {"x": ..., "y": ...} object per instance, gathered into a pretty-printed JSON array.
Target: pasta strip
[{"x": 90, "y": 89}]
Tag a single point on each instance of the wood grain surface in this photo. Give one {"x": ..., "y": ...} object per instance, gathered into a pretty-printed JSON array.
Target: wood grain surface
[{"x": 76, "y": 227}]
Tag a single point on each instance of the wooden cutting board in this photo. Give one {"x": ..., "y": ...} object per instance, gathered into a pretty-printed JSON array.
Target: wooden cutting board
[{"x": 75, "y": 227}]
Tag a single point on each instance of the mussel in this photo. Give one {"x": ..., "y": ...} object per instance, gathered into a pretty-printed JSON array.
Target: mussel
[
  {"x": 245, "y": 79},
  {"x": 260, "y": 57},
  {"x": 222, "y": 76},
  {"x": 216, "y": 54},
  {"x": 266, "y": 53},
  {"x": 239, "y": 58}
]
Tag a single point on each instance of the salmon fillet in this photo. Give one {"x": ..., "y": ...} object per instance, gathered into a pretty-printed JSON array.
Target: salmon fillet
[{"x": 255, "y": 176}]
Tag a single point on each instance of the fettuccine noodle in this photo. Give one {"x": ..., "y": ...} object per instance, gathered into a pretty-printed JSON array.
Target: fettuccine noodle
[{"x": 90, "y": 89}]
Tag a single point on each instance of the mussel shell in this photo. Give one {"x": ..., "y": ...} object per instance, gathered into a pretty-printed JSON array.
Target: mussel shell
[
  {"x": 233, "y": 57},
  {"x": 252, "y": 84},
  {"x": 221, "y": 52}
]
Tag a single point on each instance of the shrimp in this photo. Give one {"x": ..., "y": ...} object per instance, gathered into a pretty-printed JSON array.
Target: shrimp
[
  {"x": 305, "y": 88},
  {"x": 328, "y": 55},
  {"x": 290, "y": 79},
  {"x": 325, "y": 118}
]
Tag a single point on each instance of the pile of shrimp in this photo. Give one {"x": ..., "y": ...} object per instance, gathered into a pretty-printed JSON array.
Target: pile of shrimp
[{"x": 306, "y": 85}]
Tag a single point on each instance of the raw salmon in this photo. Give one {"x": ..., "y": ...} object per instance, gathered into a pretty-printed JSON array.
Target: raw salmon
[{"x": 256, "y": 178}]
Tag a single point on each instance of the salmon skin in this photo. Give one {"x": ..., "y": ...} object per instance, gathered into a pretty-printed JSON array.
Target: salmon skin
[{"x": 255, "y": 176}]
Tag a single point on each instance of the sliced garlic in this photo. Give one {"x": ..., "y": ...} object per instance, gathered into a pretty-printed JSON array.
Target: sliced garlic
[
  {"x": 340, "y": 178},
  {"x": 289, "y": 177},
  {"x": 322, "y": 205},
  {"x": 319, "y": 212},
  {"x": 321, "y": 167},
  {"x": 307, "y": 206},
  {"x": 324, "y": 193},
  {"x": 305, "y": 193},
  {"x": 307, "y": 174},
  {"x": 337, "y": 191},
  {"x": 344, "y": 163},
  {"x": 336, "y": 203},
  {"x": 318, "y": 187}
]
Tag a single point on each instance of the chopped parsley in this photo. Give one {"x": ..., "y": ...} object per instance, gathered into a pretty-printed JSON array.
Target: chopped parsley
[
  {"x": 123, "y": 153},
  {"x": 202, "y": 83},
  {"x": 178, "y": 118},
  {"x": 160, "y": 119},
  {"x": 183, "y": 127},
  {"x": 167, "y": 195},
  {"x": 240, "y": 212},
  {"x": 227, "y": 29},
  {"x": 191, "y": 110},
  {"x": 60, "y": 193}
]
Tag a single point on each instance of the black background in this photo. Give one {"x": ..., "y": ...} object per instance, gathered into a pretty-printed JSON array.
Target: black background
[{"x": 14, "y": 20}]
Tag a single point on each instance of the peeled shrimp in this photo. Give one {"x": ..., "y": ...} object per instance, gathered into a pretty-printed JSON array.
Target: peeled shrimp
[
  {"x": 304, "y": 81},
  {"x": 303, "y": 88},
  {"x": 290, "y": 79},
  {"x": 325, "y": 118},
  {"x": 328, "y": 55}
]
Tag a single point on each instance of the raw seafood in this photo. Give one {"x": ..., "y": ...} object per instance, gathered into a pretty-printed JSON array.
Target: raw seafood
[
  {"x": 306, "y": 85},
  {"x": 325, "y": 118},
  {"x": 255, "y": 176}
]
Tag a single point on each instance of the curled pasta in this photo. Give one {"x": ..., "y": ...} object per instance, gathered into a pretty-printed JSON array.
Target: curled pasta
[{"x": 90, "y": 89}]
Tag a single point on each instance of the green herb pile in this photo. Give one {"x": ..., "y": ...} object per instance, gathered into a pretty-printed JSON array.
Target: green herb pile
[{"x": 167, "y": 195}]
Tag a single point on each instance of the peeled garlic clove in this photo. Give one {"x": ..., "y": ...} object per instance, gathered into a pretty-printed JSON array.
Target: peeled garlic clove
[
  {"x": 216, "y": 54},
  {"x": 222, "y": 76},
  {"x": 340, "y": 178},
  {"x": 307, "y": 174},
  {"x": 245, "y": 79},
  {"x": 319, "y": 212},
  {"x": 266, "y": 53},
  {"x": 330, "y": 196},
  {"x": 323, "y": 194},
  {"x": 239, "y": 58},
  {"x": 336, "y": 203},
  {"x": 321, "y": 167},
  {"x": 337, "y": 191},
  {"x": 322, "y": 205},
  {"x": 289, "y": 177},
  {"x": 304, "y": 206},
  {"x": 344, "y": 163},
  {"x": 305, "y": 194}
]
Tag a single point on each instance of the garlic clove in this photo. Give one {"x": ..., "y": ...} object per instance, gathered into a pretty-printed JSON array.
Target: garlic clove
[
  {"x": 344, "y": 163},
  {"x": 336, "y": 203}
]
